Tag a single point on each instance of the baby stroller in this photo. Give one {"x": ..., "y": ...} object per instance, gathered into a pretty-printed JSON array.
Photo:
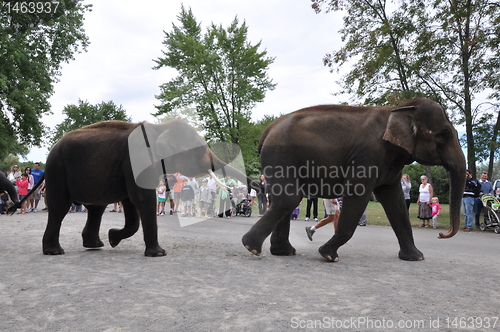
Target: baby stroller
[
  {"x": 491, "y": 213},
  {"x": 244, "y": 208}
]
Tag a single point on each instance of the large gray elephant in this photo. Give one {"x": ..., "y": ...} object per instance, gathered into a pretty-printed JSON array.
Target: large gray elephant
[
  {"x": 116, "y": 161},
  {"x": 6, "y": 185},
  {"x": 335, "y": 150}
]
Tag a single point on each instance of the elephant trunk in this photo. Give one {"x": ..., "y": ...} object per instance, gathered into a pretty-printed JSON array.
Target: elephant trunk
[
  {"x": 457, "y": 185},
  {"x": 216, "y": 164}
]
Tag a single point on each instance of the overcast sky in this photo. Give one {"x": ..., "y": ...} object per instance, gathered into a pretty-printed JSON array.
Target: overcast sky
[{"x": 126, "y": 36}]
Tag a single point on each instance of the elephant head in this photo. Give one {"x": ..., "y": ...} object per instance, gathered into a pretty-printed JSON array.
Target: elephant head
[
  {"x": 173, "y": 147},
  {"x": 422, "y": 128}
]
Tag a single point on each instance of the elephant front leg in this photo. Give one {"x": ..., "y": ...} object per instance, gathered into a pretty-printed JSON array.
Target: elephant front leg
[
  {"x": 280, "y": 241},
  {"x": 392, "y": 200},
  {"x": 149, "y": 226},
  {"x": 352, "y": 210},
  {"x": 90, "y": 232}
]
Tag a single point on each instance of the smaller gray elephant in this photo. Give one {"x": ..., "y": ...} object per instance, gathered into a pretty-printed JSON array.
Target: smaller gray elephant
[{"x": 116, "y": 161}]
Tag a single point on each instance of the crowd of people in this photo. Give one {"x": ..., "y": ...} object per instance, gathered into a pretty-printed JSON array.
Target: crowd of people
[
  {"x": 206, "y": 198},
  {"x": 23, "y": 181}
]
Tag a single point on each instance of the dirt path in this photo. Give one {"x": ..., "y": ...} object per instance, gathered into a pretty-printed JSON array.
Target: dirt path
[{"x": 209, "y": 282}]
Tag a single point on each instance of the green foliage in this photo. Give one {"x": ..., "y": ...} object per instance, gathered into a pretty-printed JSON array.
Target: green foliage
[
  {"x": 445, "y": 50},
  {"x": 34, "y": 42},
  {"x": 85, "y": 114},
  {"x": 440, "y": 181},
  {"x": 220, "y": 73}
]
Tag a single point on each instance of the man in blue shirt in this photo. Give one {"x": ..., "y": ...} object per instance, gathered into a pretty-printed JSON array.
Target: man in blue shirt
[
  {"x": 35, "y": 197},
  {"x": 486, "y": 188}
]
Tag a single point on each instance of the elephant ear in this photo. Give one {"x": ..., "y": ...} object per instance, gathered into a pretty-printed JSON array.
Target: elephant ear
[{"x": 401, "y": 128}]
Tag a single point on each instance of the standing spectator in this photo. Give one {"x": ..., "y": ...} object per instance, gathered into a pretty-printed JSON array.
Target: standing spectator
[
  {"x": 196, "y": 188},
  {"x": 363, "y": 220},
  {"x": 31, "y": 183},
  {"x": 35, "y": 197},
  {"x": 178, "y": 190},
  {"x": 212, "y": 185},
  {"x": 262, "y": 195},
  {"x": 314, "y": 203},
  {"x": 22, "y": 190},
  {"x": 14, "y": 174},
  {"x": 435, "y": 211},
  {"x": 170, "y": 180},
  {"x": 471, "y": 191},
  {"x": 406, "y": 186},
  {"x": 333, "y": 210},
  {"x": 205, "y": 198},
  {"x": 187, "y": 197},
  {"x": 486, "y": 188},
  {"x": 424, "y": 202},
  {"x": 162, "y": 198},
  {"x": 225, "y": 199}
]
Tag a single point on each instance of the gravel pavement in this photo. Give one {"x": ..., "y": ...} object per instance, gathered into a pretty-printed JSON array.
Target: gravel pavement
[{"x": 209, "y": 282}]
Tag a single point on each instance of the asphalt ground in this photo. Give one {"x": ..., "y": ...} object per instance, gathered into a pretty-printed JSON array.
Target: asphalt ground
[{"x": 209, "y": 282}]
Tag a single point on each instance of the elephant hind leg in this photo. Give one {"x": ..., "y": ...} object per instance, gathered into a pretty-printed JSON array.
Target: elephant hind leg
[
  {"x": 131, "y": 224},
  {"x": 280, "y": 238},
  {"x": 90, "y": 232},
  {"x": 281, "y": 206}
]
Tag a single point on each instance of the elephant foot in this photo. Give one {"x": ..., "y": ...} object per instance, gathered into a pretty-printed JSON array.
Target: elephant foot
[
  {"x": 157, "y": 251},
  {"x": 282, "y": 249},
  {"x": 93, "y": 243},
  {"x": 330, "y": 255},
  {"x": 415, "y": 255},
  {"x": 253, "y": 246},
  {"x": 114, "y": 237},
  {"x": 56, "y": 250}
]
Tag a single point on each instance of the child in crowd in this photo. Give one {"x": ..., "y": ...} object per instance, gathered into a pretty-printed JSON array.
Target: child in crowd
[
  {"x": 187, "y": 197},
  {"x": 22, "y": 190},
  {"x": 296, "y": 212},
  {"x": 205, "y": 197},
  {"x": 162, "y": 198},
  {"x": 435, "y": 211}
]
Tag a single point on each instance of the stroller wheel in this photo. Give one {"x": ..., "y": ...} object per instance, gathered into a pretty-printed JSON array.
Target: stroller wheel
[
  {"x": 482, "y": 226},
  {"x": 497, "y": 229}
]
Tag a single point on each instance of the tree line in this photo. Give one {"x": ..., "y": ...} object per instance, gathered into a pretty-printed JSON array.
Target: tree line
[{"x": 445, "y": 50}]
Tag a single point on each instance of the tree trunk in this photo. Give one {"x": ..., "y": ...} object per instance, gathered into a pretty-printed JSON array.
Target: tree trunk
[{"x": 493, "y": 147}]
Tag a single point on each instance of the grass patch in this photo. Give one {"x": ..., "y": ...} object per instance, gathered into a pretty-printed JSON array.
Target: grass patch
[{"x": 376, "y": 215}]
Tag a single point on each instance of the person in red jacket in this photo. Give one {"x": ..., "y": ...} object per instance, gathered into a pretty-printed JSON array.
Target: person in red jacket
[{"x": 22, "y": 190}]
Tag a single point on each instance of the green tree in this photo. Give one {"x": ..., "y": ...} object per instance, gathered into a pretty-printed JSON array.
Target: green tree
[
  {"x": 85, "y": 114},
  {"x": 36, "y": 37},
  {"x": 220, "y": 73},
  {"x": 447, "y": 50},
  {"x": 249, "y": 142}
]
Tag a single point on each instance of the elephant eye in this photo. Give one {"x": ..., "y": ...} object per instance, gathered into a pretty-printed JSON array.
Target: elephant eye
[{"x": 442, "y": 136}]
